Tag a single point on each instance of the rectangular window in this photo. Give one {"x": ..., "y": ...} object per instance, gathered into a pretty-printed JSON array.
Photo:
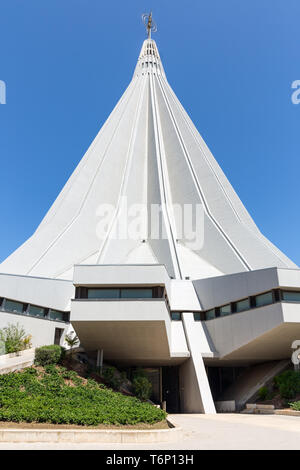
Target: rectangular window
[
  {"x": 290, "y": 296},
  {"x": 197, "y": 316},
  {"x": 15, "y": 307},
  {"x": 263, "y": 299},
  {"x": 242, "y": 305},
  {"x": 136, "y": 293},
  {"x": 210, "y": 314},
  {"x": 36, "y": 311},
  {"x": 176, "y": 316},
  {"x": 225, "y": 310},
  {"x": 103, "y": 293},
  {"x": 56, "y": 315}
]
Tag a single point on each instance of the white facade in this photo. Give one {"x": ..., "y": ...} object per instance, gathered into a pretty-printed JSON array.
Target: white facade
[{"x": 149, "y": 153}]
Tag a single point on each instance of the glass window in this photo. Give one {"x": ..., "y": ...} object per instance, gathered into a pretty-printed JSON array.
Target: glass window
[
  {"x": 176, "y": 316},
  {"x": 210, "y": 314},
  {"x": 15, "y": 307},
  {"x": 225, "y": 310},
  {"x": 103, "y": 293},
  {"x": 197, "y": 316},
  {"x": 36, "y": 311},
  {"x": 56, "y": 315},
  {"x": 242, "y": 305},
  {"x": 290, "y": 296},
  {"x": 136, "y": 293},
  {"x": 264, "y": 299}
]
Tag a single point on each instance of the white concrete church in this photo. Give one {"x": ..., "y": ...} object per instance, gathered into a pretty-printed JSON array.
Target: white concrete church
[{"x": 201, "y": 318}]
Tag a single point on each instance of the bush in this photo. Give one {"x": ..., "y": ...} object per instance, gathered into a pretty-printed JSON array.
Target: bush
[
  {"x": 142, "y": 387},
  {"x": 112, "y": 378},
  {"x": 45, "y": 397},
  {"x": 263, "y": 393},
  {"x": 295, "y": 405},
  {"x": 51, "y": 354},
  {"x": 288, "y": 383},
  {"x": 14, "y": 338}
]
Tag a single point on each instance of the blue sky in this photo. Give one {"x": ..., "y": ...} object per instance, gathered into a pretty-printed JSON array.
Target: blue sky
[{"x": 231, "y": 63}]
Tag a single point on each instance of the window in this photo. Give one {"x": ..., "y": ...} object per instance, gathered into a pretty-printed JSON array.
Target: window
[
  {"x": 210, "y": 314},
  {"x": 103, "y": 293},
  {"x": 56, "y": 315},
  {"x": 290, "y": 296},
  {"x": 242, "y": 305},
  {"x": 225, "y": 310},
  {"x": 136, "y": 293},
  {"x": 15, "y": 307},
  {"x": 197, "y": 316},
  {"x": 36, "y": 311},
  {"x": 176, "y": 316},
  {"x": 263, "y": 299}
]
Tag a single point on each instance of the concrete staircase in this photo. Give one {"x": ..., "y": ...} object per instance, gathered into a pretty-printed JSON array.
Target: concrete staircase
[{"x": 255, "y": 377}]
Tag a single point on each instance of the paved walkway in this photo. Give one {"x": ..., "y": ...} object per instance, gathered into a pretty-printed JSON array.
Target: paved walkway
[
  {"x": 205, "y": 432},
  {"x": 10, "y": 364}
]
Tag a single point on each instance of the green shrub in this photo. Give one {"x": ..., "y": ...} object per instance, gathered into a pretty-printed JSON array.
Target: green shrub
[
  {"x": 44, "y": 397},
  {"x": 263, "y": 393},
  {"x": 142, "y": 387},
  {"x": 51, "y": 354},
  {"x": 14, "y": 338},
  {"x": 288, "y": 383},
  {"x": 295, "y": 405},
  {"x": 110, "y": 375}
]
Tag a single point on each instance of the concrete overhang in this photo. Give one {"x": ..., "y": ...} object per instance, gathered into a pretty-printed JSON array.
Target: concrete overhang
[
  {"x": 121, "y": 275},
  {"x": 129, "y": 331},
  {"x": 261, "y": 334}
]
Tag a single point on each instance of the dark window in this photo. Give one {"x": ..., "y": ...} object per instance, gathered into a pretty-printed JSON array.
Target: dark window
[
  {"x": 15, "y": 307},
  {"x": 242, "y": 305},
  {"x": 210, "y": 314},
  {"x": 56, "y": 315},
  {"x": 290, "y": 296},
  {"x": 176, "y": 316},
  {"x": 225, "y": 310},
  {"x": 103, "y": 293},
  {"x": 263, "y": 299},
  {"x": 136, "y": 293},
  {"x": 35, "y": 311}
]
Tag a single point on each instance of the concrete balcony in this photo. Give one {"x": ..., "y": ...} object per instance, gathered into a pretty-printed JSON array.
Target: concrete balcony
[
  {"x": 130, "y": 331},
  {"x": 260, "y": 334}
]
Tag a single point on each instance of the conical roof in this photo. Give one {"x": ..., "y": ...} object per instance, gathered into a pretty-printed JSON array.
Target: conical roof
[{"x": 148, "y": 153}]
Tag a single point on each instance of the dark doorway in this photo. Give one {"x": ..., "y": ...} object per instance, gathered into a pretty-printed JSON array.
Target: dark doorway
[
  {"x": 57, "y": 335},
  {"x": 170, "y": 388}
]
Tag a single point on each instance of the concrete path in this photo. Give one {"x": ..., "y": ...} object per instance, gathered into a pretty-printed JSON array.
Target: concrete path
[
  {"x": 10, "y": 363},
  {"x": 222, "y": 431}
]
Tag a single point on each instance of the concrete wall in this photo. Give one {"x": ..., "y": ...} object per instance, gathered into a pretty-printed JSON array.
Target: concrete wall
[
  {"x": 42, "y": 331},
  {"x": 51, "y": 293}
]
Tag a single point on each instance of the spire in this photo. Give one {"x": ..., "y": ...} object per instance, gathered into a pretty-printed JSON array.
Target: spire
[{"x": 149, "y": 23}]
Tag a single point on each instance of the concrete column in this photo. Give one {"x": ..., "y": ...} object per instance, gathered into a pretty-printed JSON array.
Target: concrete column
[
  {"x": 197, "y": 397},
  {"x": 100, "y": 359}
]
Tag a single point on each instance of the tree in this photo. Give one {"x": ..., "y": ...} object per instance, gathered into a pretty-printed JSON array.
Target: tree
[{"x": 72, "y": 342}]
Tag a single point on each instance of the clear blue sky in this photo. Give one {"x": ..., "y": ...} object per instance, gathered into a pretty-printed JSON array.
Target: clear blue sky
[{"x": 231, "y": 63}]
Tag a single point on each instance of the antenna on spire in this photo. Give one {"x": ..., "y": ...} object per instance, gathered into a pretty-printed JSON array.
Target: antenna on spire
[{"x": 149, "y": 23}]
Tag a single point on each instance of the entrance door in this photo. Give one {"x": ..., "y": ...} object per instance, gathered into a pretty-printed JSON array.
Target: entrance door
[
  {"x": 170, "y": 388},
  {"x": 57, "y": 335}
]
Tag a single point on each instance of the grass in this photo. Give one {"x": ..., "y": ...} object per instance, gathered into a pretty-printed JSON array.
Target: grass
[{"x": 55, "y": 395}]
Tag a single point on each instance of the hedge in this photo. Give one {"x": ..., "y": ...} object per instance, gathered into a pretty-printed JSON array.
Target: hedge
[{"x": 51, "y": 354}]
